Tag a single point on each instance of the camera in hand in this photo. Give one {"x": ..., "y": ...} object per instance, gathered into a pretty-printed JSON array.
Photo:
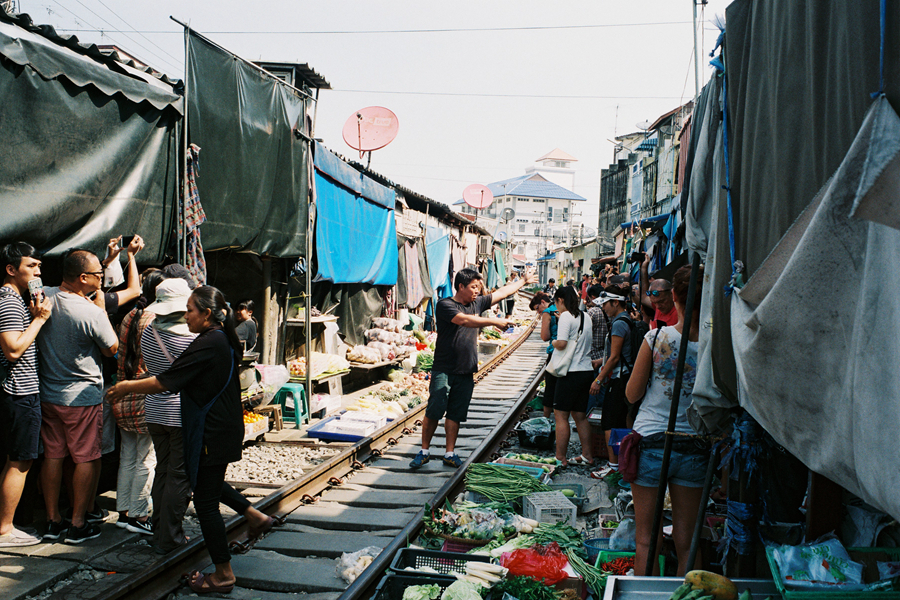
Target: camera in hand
[
  {"x": 126, "y": 241},
  {"x": 637, "y": 257}
]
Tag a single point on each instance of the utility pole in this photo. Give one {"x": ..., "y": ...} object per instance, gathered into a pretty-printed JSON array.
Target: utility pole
[{"x": 696, "y": 55}]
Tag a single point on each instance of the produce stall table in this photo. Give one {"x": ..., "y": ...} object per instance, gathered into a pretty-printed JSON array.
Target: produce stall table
[
  {"x": 370, "y": 366},
  {"x": 661, "y": 588}
]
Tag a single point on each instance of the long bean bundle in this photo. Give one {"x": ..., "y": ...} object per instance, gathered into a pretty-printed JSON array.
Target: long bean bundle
[
  {"x": 594, "y": 578},
  {"x": 501, "y": 483}
]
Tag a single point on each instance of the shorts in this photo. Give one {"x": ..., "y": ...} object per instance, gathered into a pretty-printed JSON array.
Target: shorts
[
  {"x": 685, "y": 469},
  {"x": 615, "y": 405},
  {"x": 572, "y": 391},
  {"x": 20, "y": 426},
  {"x": 450, "y": 394},
  {"x": 72, "y": 430}
]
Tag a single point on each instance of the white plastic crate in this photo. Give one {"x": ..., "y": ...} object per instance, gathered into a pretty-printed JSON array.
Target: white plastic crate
[
  {"x": 365, "y": 417},
  {"x": 549, "y": 507}
]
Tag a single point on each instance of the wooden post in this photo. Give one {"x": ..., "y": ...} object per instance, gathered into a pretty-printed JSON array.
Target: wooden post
[{"x": 269, "y": 334}]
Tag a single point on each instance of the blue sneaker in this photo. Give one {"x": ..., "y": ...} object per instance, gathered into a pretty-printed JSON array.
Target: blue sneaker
[
  {"x": 420, "y": 459},
  {"x": 453, "y": 461}
]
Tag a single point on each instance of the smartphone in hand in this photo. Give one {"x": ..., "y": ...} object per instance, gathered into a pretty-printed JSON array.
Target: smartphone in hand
[
  {"x": 36, "y": 290},
  {"x": 126, "y": 241}
]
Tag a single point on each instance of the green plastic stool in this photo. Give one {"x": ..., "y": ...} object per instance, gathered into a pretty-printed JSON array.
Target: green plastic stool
[{"x": 300, "y": 412}]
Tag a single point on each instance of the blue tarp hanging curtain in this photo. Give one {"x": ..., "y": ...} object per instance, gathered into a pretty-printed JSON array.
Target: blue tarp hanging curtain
[
  {"x": 438, "y": 247},
  {"x": 356, "y": 236}
]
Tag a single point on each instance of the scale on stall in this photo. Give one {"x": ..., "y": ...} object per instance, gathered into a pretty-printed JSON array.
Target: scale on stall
[{"x": 371, "y": 128}]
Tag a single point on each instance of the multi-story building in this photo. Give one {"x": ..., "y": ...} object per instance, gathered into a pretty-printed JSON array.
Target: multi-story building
[
  {"x": 543, "y": 203},
  {"x": 643, "y": 178}
]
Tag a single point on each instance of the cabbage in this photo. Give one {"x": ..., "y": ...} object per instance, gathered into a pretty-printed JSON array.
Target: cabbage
[
  {"x": 423, "y": 592},
  {"x": 462, "y": 590}
]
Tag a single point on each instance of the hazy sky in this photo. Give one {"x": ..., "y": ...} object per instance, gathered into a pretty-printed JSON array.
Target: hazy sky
[{"x": 509, "y": 81}]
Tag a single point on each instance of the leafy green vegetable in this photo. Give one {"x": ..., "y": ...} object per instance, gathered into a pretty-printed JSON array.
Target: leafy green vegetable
[
  {"x": 567, "y": 537},
  {"x": 524, "y": 588},
  {"x": 424, "y": 360},
  {"x": 422, "y": 592},
  {"x": 462, "y": 590}
]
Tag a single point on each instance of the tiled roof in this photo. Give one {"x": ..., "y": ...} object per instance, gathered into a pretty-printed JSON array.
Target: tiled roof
[
  {"x": 557, "y": 154},
  {"x": 530, "y": 186}
]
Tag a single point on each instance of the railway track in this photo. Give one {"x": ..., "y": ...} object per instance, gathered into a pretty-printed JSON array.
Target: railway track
[{"x": 363, "y": 496}]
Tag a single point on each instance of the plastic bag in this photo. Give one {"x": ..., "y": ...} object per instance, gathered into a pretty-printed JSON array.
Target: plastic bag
[
  {"x": 535, "y": 428},
  {"x": 386, "y": 324},
  {"x": 822, "y": 564},
  {"x": 888, "y": 570},
  {"x": 273, "y": 377},
  {"x": 624, "y": 535},
  {"x": 539, "y": 562},
  {"x": 351, "y": 565}
]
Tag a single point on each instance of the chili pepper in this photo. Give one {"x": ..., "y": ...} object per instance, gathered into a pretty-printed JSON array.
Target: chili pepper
[{"x": 619, "y": 566}]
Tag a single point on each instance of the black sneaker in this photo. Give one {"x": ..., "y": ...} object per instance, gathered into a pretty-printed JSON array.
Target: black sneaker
[
  {"x": 77, "y": 535},
  {"x": 95, "y": 515},
  {"x": 136, "y": 526},
  {"x": 123, "y": 521},
  {"x": 56, "y": 530}
]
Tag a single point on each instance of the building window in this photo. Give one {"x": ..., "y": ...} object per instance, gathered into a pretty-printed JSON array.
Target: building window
[
  {"x": 537, "y": 232},
  {"x": 522, "y": 228},
  {"x": 549, "y": 214},
  {"x": 539, "y": 200},
  {"x": 523, "y": 199}
]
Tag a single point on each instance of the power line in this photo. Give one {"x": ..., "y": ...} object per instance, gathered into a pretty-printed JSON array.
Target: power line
[
  {"x": 445, "y": 30},
  {"x": 177, "y": 66},
  {"x": 138, "y": 32},
  {"x": 555, "y": 97}
]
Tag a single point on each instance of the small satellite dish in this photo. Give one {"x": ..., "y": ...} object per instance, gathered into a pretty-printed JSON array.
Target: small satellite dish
[
  {"x": 643, "y": 125},
  {"x": 478, "y": 196},
  {"x": 370, "y": 128},
  {"x": 501, "y": 236},
  {"x": 508, "y": 215}
]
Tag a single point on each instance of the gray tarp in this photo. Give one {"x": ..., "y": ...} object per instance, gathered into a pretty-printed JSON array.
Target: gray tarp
[
  {"x": 254, "y": 180},
  {"x": 816, "y": 361},
  {"x": 799, "y": 76},
  {"x": 81, "y": 162}
]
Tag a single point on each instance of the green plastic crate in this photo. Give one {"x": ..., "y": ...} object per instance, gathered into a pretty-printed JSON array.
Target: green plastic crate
[
  {"x": 609, "y": 555},
  {"x": 867, "y": 556}
]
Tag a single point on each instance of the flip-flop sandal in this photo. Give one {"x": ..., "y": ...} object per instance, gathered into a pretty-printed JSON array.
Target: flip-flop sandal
[
  {"x": 197, "y": 585},
  {"x": 255, "y": 532},
  {"x": 581, "y": 460}
]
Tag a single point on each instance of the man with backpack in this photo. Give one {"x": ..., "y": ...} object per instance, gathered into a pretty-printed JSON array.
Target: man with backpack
[{"x": 621, "y": 349}]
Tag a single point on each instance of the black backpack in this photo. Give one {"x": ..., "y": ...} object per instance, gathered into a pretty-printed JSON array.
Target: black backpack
[{"x": 637, "y": 331}]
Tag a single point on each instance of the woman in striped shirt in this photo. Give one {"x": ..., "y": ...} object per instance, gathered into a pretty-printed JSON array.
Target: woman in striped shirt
[{"x": 161, "y": 343}]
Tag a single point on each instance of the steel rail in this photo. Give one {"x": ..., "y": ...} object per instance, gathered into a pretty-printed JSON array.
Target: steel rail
[{"x": 164, "y": 577}]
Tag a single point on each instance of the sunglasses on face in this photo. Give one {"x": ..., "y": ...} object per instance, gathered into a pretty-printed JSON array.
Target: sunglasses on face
[{"x": 656, "y": 293}]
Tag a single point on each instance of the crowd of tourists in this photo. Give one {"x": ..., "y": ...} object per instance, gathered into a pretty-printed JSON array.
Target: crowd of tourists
[
  {"x": 627, "y": 338},
  {"x": 150, "y": 366}
]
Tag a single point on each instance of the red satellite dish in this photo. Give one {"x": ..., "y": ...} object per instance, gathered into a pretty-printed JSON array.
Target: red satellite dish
[
  {"x": 371, "y": 128},
  {"x": 478, "y": 196}
]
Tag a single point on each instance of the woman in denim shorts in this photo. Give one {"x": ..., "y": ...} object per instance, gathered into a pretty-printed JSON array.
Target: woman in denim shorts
[{"x": 653, "y": 380}]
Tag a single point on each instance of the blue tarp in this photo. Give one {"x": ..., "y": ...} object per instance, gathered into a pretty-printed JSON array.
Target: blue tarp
[
  {"x": 644, "y": 222},
  {"x": 353, "y": 212},
  {"x": 437, "y": 244}
]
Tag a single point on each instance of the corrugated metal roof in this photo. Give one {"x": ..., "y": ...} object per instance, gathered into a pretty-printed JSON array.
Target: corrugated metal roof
[{"x": 530, "y": 186}]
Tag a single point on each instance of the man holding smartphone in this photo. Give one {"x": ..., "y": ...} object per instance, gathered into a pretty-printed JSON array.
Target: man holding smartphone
[{"x": 22, "y": 315}]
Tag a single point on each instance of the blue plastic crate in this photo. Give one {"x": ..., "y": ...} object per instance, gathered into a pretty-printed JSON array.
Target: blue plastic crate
[{"x": 316, "y": 432}]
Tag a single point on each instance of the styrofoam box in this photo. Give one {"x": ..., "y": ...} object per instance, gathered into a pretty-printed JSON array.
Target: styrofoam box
[
  {"x": 365, "y": 417},
  {"x": 549, "y": 507},
  {"x": 350, "y": 427}
]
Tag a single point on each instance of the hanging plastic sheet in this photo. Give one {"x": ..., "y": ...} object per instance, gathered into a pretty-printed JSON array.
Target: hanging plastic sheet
[
  {"x": 401, "y": 270},
  {"x": 255, "y": 183},
  {"x": 356, "y": 234},
  {"x": 415, "y": 289},
  {"x": 500, "y": 266},
  {"x": 789, "y": 132},
  {"x": 817, "y": 380},
  {"x": 357, "y": 305},
  {"x": 89, "y": 152},
  {"x": 438, "y": 244}
]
